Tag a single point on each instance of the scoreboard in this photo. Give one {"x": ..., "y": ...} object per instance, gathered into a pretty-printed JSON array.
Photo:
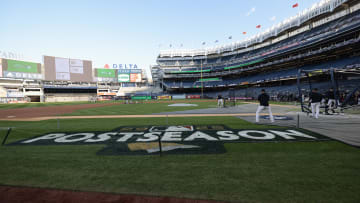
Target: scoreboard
[{"x": 66, "y": 69}]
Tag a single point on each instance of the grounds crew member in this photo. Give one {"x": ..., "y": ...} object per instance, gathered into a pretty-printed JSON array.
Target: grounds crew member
[
  {"x": 263, "y": 98},
  {"x": 315, "y": 100},
  {"x": 220, "y": 101}
]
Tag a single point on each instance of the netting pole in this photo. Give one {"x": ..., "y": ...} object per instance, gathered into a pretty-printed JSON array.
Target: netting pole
[
  {"x": 167, "y": 119},
  {"x": 6, "y": 136},
  {"x": 160, "y": 147},
  {"x": 299, "y": 89},
  {"x": 298, "y": 120},
  {"x": 335, "y": 86}
]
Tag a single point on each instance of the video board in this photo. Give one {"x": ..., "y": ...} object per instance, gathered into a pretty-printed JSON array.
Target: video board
[
  {"x": 20, "y": 69},
  {"x": 106, "y": 75},
  {"x": 66, "y": 69},
  {"x": 129, "y": 75}
]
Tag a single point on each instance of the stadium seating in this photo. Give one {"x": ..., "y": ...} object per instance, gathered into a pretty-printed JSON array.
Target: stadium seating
[
  {"x": 329, "y": 42},
  {"x": 274, "y": 75},
  {"x": 316, "y": 34}
]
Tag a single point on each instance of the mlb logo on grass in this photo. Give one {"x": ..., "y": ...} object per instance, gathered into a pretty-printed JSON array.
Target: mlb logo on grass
[{"x": 184, "y": 128}]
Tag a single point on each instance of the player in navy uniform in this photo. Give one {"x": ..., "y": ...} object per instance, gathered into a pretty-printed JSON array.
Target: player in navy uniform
[
  {"x": 315, "y": 100},
  {"x": 220, "y": 101},
  {"x": 263, "y": 99},
  {"x": 331, "y": 100}
]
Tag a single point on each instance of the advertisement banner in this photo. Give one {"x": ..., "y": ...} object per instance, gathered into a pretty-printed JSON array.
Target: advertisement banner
[
  {"x": 106, "y": 79},
  {"x": 164, "y": 97},
  {"x": 106, "y": 73},
  {"x": 11, "y": 93},
  {"x": 124, "y": 77},
  {"x": 141, "y": 97},
  {"x": 179, "y": 96},
  {"x": 125, "y": 71},
  {"x": 193, "y": 96},
  {"x": 135, "y": 77},
  {"x": 135, "y": 71},
  {"x": 106, "y": 93},
  {"x": 242, "y": 98},
  {"x": 22, "y": 66},
  {"x": 22, "y": 75},
  {"x": 129, "y": 71}
]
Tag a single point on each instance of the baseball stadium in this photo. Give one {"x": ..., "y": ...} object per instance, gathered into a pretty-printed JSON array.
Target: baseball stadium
[{"x": 274, "y": 117}]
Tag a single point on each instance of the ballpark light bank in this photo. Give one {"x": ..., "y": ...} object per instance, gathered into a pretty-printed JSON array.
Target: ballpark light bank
[{"x": 135, "y": 140}]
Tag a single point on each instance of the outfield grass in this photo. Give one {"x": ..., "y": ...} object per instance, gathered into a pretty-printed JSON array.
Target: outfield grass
[
  {"x": 248, "y": 172},
  {"x": 137, "y": 107},
  {"x": 39, "y": 104},
  {"x": 145, "y": 108}
]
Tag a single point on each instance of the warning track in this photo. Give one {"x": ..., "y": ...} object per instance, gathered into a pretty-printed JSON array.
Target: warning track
[
  {"x": 30, "y": 194},
  {"x": 6, "y": 114}
]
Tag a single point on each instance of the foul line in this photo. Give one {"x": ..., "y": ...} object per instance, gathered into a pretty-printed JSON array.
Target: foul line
[{"x": 134, "y": 116}]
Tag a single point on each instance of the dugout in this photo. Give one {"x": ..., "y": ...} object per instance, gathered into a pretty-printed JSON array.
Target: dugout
[{"x": 69, "y": 93}]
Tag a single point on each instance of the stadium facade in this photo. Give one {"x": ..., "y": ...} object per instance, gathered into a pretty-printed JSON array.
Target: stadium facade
[{"x": 321, "y": 38}]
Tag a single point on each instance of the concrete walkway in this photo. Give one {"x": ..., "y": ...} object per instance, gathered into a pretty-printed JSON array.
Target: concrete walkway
[{"x": 345, "y": 128}]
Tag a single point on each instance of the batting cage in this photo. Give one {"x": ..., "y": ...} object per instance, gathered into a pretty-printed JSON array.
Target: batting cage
[{"x": 339, "y": 88}]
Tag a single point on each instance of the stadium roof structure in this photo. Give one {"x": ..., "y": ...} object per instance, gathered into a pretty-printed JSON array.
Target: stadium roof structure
[{"x": 322, "y": 7}]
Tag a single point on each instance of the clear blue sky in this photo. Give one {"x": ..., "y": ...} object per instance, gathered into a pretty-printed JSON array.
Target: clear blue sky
[{"x": 131, "y": 31}]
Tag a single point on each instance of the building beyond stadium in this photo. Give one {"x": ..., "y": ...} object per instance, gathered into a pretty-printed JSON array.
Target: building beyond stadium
[{"x": 321, "y": 38}]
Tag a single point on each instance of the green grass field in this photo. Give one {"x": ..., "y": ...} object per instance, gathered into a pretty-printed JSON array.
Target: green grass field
[
  {"x": 325, "y": 171},
  {"x": 38, "y": 104},
  {"x": 144, "y": 108},
  {"x": 123, "y": 109}
]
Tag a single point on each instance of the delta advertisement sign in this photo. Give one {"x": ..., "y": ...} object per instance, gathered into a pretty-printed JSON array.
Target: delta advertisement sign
[
  {"x": 121, "y": 66},
  {"x": 185, "y": 139}
]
